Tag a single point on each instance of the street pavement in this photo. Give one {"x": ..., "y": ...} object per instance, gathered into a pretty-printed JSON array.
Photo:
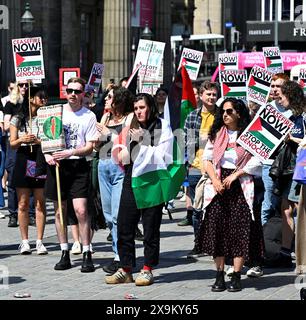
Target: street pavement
[{"x": 176, "y": 277}]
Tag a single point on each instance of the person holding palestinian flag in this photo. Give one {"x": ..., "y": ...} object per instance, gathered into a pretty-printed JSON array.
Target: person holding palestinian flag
[{"x": 153, "y": 175}]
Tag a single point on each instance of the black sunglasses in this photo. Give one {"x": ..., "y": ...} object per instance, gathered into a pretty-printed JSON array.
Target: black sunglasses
[
  {"x": 26, "y": 85},
  {"x": 228, "y": 111},
  {"x": 70, "y": 91}
]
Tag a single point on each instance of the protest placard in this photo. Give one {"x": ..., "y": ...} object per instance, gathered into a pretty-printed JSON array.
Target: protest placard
[
  {"x": 150, "y": 55},
  {"x": 302, "y": 79},
  {"x": 273, "y": 59},
  {"x": 28, "y": 58},
  {"x": 266, "y": 132},
  {"x": 192, "y": 60},
  {"x": 228, "y": 61},
  {"x": 64, "y": 75},
  {"x": 259, "y": 85},
  {"x": 95, "y": 78},
  {"x": 233, "y": 83},
  {"x": 51, "y": 128}
]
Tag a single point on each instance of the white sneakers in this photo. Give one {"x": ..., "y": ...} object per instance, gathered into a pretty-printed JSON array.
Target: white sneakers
[
  {"x": 24, "y": 248},
  {"x": 76, "y": 248},
  {"x": 2, "y": 216},
  {"x": 40, "y": 248}
]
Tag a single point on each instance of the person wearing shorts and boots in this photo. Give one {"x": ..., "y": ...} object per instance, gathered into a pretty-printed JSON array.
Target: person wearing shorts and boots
[{"x": 79, "y": 125}]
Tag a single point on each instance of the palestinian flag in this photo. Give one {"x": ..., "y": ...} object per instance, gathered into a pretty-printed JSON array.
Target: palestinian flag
[
  {"x": 157, "y": 171},
  {"x": 28, "y": 59},
  {"x": 274, "y": 62},
  {"x": 181, "y": 100},
  {"x": 259, "y": 85},
  {"x": 234, "y": 89},
  {"x": 264, "y": 132}
]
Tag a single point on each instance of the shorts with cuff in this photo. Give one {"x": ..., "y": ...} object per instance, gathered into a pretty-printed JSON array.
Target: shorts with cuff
[{"x": 74, "y": 180}]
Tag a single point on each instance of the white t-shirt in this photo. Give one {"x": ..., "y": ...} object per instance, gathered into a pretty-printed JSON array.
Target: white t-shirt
[
  {"x": 79, "y": 128},
  {"x": 229, "y": 158}
]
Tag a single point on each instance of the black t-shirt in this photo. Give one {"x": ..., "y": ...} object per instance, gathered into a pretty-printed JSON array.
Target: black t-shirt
[{"x": 11, "y": 108}]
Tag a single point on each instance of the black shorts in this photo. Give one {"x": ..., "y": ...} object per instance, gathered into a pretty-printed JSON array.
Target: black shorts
[{"x": 74, "y": 180}]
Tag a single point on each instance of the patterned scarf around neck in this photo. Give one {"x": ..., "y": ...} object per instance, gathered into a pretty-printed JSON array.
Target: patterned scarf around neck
[{"x": 220, "y": 146}]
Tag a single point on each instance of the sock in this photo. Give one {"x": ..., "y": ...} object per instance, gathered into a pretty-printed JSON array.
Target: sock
[
  {"x": 189, "y": 214},
  {"x": 38, "y": 241},
  {"x": 85, "y": 248},
  {"x": 147, "y": 268},
  {"x": 127, "y": 269},
  {"x": 64, "y": 247},
  {"x": 26, "y": 241}
]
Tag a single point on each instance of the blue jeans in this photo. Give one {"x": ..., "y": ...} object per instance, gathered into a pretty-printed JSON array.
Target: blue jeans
[
  {"x": 110, "y": 182},
  {"x": 194, "y": 175},
  {"x": 271, "y": 202}
]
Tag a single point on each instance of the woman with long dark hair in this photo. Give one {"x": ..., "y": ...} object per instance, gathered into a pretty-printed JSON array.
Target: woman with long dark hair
[
  {"x": 146, "y": 133},
  {"x": 229, "y": 193}
]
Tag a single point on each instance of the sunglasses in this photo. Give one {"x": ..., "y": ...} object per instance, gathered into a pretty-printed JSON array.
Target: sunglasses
[
  {"x": 21, "y": 85},
  {"x": 228, "y": 111},
  {"x": 70, "y": 91}
]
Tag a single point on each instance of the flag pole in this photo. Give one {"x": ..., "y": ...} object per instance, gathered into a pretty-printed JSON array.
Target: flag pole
[
  {"x": 30, "y": 112},
  {"x": 59, "y": 197},
  {"x": 144, "y": 76}
]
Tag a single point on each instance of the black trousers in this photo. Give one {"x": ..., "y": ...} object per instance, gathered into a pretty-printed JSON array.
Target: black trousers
[{"x": 128, "y": 218}]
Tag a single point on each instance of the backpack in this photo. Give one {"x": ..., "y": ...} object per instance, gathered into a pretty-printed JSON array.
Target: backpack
[{"x": 272, "y": 232}]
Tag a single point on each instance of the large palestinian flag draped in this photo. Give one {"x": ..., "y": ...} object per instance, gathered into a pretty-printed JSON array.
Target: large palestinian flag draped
[{"x": 159, "y": 171}]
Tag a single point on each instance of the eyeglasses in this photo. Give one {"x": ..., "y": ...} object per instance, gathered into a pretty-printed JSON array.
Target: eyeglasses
[
  {"x": 70, "y": 91},
  {"x": 229, "y": 112},
  {"x": 21, "y": 85}
]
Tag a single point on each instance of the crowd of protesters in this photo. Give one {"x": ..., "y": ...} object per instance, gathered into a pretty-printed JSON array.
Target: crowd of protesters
[{"x": 230, "y": 194}]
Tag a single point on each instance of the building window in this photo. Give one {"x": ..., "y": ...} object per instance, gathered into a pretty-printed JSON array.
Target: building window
[{"x": 285, "y": 10}]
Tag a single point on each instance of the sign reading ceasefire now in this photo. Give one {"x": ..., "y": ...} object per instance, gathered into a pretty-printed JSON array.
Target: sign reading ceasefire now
[
  {"x": 28, "y": 58},
  {"x": 266, "y": 132}
]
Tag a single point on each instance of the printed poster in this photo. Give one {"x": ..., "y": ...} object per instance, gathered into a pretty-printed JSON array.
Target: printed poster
[
  {"x": 51, "y": 128},
  {"x": 273, "y": 59},
  {"x": 28, "y": 58},
  {"x": 259, "y": 85},
  {"x": 233, "y": 84},
  {"x": 266, "y": 132},
  {"x": 192, "y": 60}
]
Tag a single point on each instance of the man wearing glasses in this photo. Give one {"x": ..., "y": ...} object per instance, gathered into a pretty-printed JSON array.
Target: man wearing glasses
[{"x": 79, "y": 125}]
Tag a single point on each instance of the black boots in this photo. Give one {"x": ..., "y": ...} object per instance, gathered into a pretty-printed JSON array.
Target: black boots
[
  {"x": 87, "y": 265},
  {"x": 235, "y": 284},
  {"x": 219, "y": 285},
  {"x": 64, "y": 263}
]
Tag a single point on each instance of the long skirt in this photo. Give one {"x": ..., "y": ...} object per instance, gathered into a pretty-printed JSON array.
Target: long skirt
[{"x": 226, "y": 226}]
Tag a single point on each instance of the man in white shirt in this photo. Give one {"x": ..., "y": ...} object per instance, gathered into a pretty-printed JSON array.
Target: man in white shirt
[{"x": 79, "y": 125}]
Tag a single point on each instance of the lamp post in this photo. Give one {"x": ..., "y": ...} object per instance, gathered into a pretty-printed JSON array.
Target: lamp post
[
  {"x": 27, "y": 20},
  {"x": 146, "y": 34}
]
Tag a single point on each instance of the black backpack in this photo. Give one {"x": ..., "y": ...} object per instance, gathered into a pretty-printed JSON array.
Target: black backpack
[{"x": 272, "y": 232}]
